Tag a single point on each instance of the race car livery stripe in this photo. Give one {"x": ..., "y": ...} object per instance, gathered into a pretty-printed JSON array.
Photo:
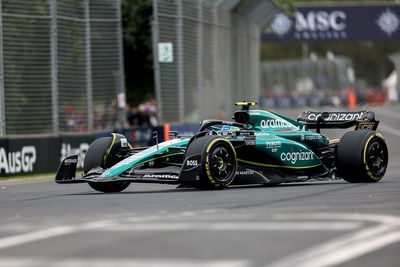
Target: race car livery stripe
[
  {"x": 137, "y": 158},
  {"x": 278, "y": 166},
  {"x": 161, "y": 157},
  {"x": 109, "y": 149}
]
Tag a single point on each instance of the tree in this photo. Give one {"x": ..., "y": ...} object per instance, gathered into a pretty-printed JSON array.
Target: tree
[{"x": 136, "y": 18}]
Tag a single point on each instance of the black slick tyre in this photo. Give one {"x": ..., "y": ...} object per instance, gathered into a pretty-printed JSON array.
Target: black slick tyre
[
  {"x": 96, "y": 156},
  {"x": 362, "y": 157},
  {"x": 219, "y": 162}
]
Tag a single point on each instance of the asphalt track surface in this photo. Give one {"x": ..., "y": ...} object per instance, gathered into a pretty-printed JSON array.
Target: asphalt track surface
[{"x": 331, "y": 223}]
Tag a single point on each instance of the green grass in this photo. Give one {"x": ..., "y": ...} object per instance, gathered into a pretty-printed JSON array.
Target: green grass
[{"x": 26, "y": 177}]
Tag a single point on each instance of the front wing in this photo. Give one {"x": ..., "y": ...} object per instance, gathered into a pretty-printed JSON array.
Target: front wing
[{"x": 66, "y": 174}]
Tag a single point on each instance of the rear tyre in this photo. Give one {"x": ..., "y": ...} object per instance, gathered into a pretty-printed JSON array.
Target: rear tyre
[
  {"x": 96, "y": 157},
  {"x": 362, "y": 157},
  {"x": 218, "y": 162}
]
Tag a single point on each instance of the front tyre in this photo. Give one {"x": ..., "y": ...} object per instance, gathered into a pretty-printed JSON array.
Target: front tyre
[
  {"x": 99, "y": 154},
  {"x": 109, "y": 187},
  {"x": 362, "y": 157},
  {"x": 219, "y": 163}
]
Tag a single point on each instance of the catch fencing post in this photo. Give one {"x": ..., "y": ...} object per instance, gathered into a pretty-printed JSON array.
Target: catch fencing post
[
  {"x": 154, "y": 28},
  {"x": 181, "y": 91},
  {"x": 200, "y": 84},
  {"x": 89, "y": 88},
  {"x": 121, "y": 73},
  {"x": 2, "y": 96},
  {"x": 54, "y": 65}
]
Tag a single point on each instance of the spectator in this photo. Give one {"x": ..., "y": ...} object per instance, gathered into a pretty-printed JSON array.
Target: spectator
[{"x": 133, "y": 116}]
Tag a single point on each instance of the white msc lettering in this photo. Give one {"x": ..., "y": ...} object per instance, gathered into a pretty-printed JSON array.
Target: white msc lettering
[
  {"x": 321, "y": 21},
  {"x": 337, "y": 20},
  {"x": 18, "y": 161},
  {"x": 293, "y": 157}
]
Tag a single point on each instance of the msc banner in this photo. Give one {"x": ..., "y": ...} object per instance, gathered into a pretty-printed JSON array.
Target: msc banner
[{"x": 336, "y": 23}]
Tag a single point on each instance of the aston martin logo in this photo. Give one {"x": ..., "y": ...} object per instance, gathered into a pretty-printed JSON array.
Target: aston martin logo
[
  {"x": 388, "y": 22},
  {"x": 281, "y": 24}
]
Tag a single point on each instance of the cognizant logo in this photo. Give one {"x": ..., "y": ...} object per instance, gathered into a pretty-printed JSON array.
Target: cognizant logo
[{"x": 293, "y": 157}]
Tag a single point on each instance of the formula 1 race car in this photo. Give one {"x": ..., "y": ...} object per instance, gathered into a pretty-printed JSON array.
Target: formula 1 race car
[{"x": 258, "y": 147}]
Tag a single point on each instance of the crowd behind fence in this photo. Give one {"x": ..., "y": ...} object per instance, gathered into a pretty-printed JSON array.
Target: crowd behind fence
[{"x": 61, "y": 66}]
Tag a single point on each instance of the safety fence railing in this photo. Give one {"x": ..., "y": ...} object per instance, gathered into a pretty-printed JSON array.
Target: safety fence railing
[
  {"x": 61, "y": 66},
  {"x": 206, "y": 55}
]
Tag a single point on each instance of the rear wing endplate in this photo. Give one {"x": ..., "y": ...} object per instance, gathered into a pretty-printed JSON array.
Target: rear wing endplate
[{"x": 363, "y": 120}]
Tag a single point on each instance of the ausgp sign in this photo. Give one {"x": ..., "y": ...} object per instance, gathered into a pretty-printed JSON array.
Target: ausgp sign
[{"x": 17, "y": 161}]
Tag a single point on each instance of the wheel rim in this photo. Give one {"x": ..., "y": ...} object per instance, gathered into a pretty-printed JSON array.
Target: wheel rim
[
  {"x": 377, "y": 158},
  {"x": 221, "y": 164}
]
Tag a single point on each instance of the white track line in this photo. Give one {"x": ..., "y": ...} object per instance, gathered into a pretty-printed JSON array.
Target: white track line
[
  {"x": 339, "y": 251},
  {"x": 346, "y": 248},
  {"x": 355, "y": 250},
  {"x": 377, "y": 218},
  {"x": 235, "y": 226},
  {"x": 20, "y": 239},
  {"x": 388, "y": 129},
  {"x": 88, "y": 262},
  {"x": 385, "y": 231}
]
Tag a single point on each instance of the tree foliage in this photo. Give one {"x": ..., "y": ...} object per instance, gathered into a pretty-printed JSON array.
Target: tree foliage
[
  {"x": 370, "y": 59},
  {"x": 136, "y": 19}
]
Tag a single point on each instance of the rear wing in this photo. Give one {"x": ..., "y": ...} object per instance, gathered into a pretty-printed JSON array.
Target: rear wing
[{"x": 363, "y": 120}]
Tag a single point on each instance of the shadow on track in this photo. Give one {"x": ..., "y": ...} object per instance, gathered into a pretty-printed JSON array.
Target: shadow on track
[{"x": 193, "y": 190}]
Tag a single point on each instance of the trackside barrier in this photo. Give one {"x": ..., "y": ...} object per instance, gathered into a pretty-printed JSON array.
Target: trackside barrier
[{"x": 35, "y": 155}]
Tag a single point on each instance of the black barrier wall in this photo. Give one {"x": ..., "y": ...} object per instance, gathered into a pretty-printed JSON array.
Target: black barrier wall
[
  {"x": 75, "y": 145},
  {"x": 39, "y": 155},
  {"x": 20, "y": 156},
  {"x": 32, "y": 155}
]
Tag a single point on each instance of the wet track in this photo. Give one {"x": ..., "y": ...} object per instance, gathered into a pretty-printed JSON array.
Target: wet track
[{"x": 310, "y": 224}]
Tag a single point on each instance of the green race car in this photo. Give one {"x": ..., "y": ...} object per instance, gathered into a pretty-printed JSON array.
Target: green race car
[{"x": 258, "y": 147}]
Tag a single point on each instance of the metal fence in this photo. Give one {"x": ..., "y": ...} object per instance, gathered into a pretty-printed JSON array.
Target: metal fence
[
  {"x": 61, "y": 66},
  {"x": 206, "y": 55},
  {"x": 303, "y": 77}
]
